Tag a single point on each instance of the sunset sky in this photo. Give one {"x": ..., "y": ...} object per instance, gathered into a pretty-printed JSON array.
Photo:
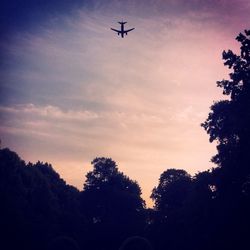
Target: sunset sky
[{"x": 71, "y": 89}]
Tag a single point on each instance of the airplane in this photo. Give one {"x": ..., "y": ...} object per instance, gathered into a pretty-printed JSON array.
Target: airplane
[{"x": 122, "y": 31}]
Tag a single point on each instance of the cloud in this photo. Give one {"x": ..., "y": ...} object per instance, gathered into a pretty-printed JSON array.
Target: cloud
[
  {"x": 49, "y": 112},
  {"x": 27, "y": 15},
  {"x": 72, "y": 90}
]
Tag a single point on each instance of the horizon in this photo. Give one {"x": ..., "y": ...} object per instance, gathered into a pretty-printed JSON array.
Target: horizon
[{"x": 72, "y": 90}]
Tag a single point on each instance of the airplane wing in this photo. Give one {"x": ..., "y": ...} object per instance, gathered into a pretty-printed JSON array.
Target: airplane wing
[
  {"x": 128, "y": 30},
  {"x": 115, "y": 30}
]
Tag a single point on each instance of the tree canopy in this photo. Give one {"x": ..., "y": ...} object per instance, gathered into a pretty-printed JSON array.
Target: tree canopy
[
  {"x": 112, "y": 202},
  {"x": 172, "y": 190},
  {"x": 229, "y": 120},
  {"x": 228, "y": 123}
]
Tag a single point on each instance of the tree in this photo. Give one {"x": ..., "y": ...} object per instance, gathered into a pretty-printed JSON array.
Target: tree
[
  {"x": 13, "y": 214},
  {"x": 170, "y": 197},
  {"x": 229, "y": 120},
  {"x": 172, "y": 190},
  {"x": 228, "y": 123},
  {"x": 113, "y": 204},
  {"x": 36, "y": 204}
]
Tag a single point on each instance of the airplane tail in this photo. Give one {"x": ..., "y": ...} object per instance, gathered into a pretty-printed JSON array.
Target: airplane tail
[{"x": 122, "y": 22}]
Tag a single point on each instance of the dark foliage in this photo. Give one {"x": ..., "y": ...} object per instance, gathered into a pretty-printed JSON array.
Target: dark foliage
[
  {"x": 37, "y": 205},
  {"x": 112, "y": 203},
  {"x": 210, "y": 210},
  {"x": 39, "y": 210},
  {"x": 229, "y": 124},
  {"x": 171, "y": 193}
]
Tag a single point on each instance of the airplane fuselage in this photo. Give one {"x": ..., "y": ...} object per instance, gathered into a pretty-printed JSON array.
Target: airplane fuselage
[{"x": 122, "y": 31}]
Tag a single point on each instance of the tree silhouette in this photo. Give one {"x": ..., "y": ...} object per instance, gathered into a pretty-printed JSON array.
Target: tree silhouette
[
  {"x": 13, "y": 202},
  {"x": 170, "y": 197},
  {"x": 112, "y": 203},
  {"x": 172, "y": 190},
  {"x": 229, "y": 120},
  {"x": 228, "y": 123},
  {"x": 37, "y": 205}
]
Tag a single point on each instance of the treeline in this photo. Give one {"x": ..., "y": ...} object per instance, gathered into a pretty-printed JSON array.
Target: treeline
[
  {"x": 38, "y": 206},
  {"x": 210, "y": 210}
]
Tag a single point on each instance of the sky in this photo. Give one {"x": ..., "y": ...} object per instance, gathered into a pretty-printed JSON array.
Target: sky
[{"x": 72, "y": 90}]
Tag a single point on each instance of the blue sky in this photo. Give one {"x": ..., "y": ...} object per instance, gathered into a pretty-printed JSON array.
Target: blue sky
[{"x": 71, "y": 89}]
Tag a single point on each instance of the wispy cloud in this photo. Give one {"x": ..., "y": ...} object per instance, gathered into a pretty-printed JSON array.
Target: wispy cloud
[
  {"x": 71, "y": 89},
  {"x": 49, "y": 112}
]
